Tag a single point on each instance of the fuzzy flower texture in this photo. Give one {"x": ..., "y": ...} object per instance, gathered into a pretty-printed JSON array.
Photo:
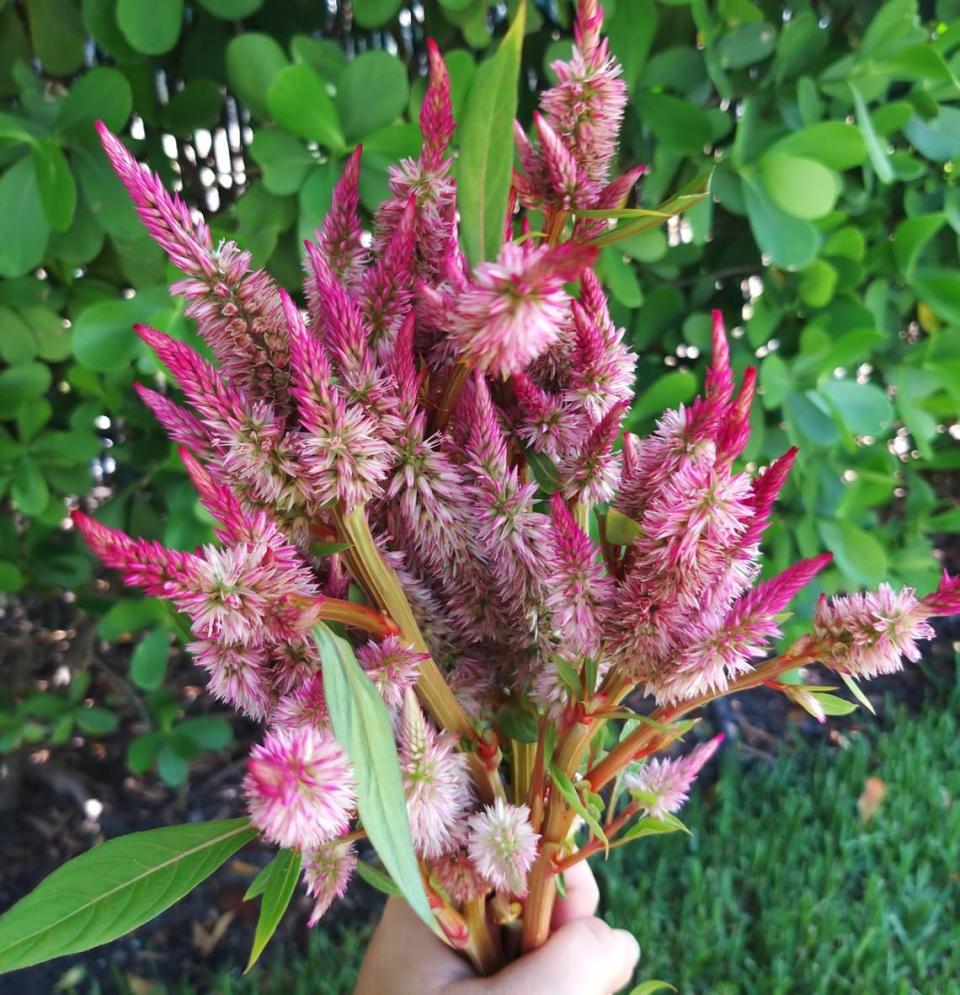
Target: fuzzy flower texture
[{"x": 470, "y": 419}]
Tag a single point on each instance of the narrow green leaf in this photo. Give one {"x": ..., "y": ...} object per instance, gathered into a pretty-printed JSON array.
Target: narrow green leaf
[
  {"x": 362, "y": 727},
  {"x": 649, "y": 987},
  {"x": 879, "y": 156},
  {"x": 573, "y": 799},
  {"x": 544, "y": 471},
  {"x": 834, "y": 705},
  {"x": 651, "y": 827},
  {"x": 486, "y": 146},
  {"x": 277, "y": 892},
  {"x": 857, "y": 692},
  {"x": 378, "y": 879},
  {"x": 110, "y": 890}
]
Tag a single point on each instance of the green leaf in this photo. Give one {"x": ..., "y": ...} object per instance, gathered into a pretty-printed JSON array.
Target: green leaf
[
  {"x": 57, "y": 33},
  {"x": 775, "y": 381},
  {"x": 859, "y": 554},
  {"x": 864, "y": 408},
  {"x": 836, "y": 144},
  {"x": 652, "y": 986},
  {"x": 939, "y": 138},
  {"x": 362, "y": 727},
  {"x": 18, "y": 344},
  {"x": 857, "y": 691},
  {"x": 876, "y": 148},
  {"x": 152, "y": 28},
  {"x": 373, "y": 13},
  {"x": 22, "y": 383},
  {"x": 808, "y": 414},
  {"x": 278, "y": 888},
  {"x": 910, "y": 238},
  {"x": 206, "y": 732},
  {"x": 516, "y": 722},
  {"x": 378, "y": 879},
  {"x": 231, "y": 10},
  {"x": 103, "y": 336},
  {"x": 58, "y": 191},
  {"x": 834, "y": 705},
  {"x": 284, "y": 159},
  {"x": 746, "y": 44},
  {"x": 790, "y": 242},
  {"x": 253, "y": 62},
  {"x": 802, "y": 188},
  {"x": 486, "y": 146},
  {"x": 148, "y": 664},
  {"x": 668, "y": 391},
  {"x": 96, "y": 721},
  {"x": 650, "y": 826},
  {"x": 28, "y": 489},
  {"x": 102, "y": 93},
  {"x": 196, "y": 106},
  {"x": 23, "y": 221},
  {"x": 621, "y": 530},
  {"x": 298, "y": 101},
  {"x": 372, "y": 93},
  {"x": 676, "y": 122},
  {"x": 110, "y": 890},
  {"x": 572, "y": 797}
]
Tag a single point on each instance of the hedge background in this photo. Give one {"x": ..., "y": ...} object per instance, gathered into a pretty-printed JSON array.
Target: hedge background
[{"x": 830, "y": 242}]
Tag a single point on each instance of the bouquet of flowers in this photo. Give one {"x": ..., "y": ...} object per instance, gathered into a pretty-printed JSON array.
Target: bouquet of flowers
[{"x": 446, "y": 578}]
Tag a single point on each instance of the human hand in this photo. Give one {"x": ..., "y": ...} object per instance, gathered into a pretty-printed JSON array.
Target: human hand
[{"x": 583, "y": 956}]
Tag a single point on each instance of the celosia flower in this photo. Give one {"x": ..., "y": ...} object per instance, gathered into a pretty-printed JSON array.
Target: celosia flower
[
  {"x": 436, "y": 782},
  {"x": 327, "y": 871},
  {"x": 299, "y": 788},
  {"x": 869, "y": 634},
  {"x": 665, "y": 784},
  {"x": 458, "y": 876},
  {"x": 393, "y": 667},
  {"x": 503, "y": 846},
  {"x": 236, "y": 675},
  {"x": 305, "y": 704},
  {"x": 514, "y": 309}
]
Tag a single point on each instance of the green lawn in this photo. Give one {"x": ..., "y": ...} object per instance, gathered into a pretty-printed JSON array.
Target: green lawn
[{"x": 782, "y": 888}]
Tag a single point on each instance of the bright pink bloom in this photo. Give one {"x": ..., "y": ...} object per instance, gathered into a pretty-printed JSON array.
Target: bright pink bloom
[
  {"x": 393, "y": 667},
  {"x": 503, "y": 846},
  {"x": 664, "y": 785},
  {"x": 299, "y": 788},
  {"x": 305, "y": 704},
  {"x": 869, "y": 634},
  {"x": 514, "y": 309},
  {"x": 237, "y": 675}
]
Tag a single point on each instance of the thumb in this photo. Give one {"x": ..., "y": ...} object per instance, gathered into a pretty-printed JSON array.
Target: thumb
[{"x": 583, "y": 957}]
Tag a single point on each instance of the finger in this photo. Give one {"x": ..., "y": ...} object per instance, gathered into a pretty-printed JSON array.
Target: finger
[
  {"x": 584, "y": 957},
  {"x": 581, "y": 899},
  {"x": 406, "y": 958}
]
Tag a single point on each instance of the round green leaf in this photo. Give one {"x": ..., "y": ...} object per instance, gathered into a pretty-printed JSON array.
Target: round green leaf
[
  {"x": 746, "y": 44},
  {"x": 11, "y": 579},
  {"x": 24, "y": 229},
  {"x": 29, "y": 489},
  {"x": 58, "y": 190},
  {"x": 817, "y": 284},
  {"x": 101, "y": 94},
  {"x": 775, "y": 381},
  {"x": 231, "y": 10},
  {"x": 298, "y": 101},
  {"x": 100, "y": 20},
  {"x": 58, "y": 36},
  {"x": 372, "y": 93},
  {"x": 790, "y": 242},
  {"x": 105, "y": 195},
  {"x": 152, "y": 28},
  {"x": 864, "y": 408},
  {"x": 148, "y": 664},
  {"x": 284, "y": 159},
  {"x": 197, "y": 105},
  {"x": 803, "y": 188},
  {"x": 667, "y": 392},
  {"x": 96, "y": 721},
  {"x": 324, "y": 54},
  {"x": 103, "y": 338},
  {"x": 859, "y": 555},
  {"x": 18, "y": 344},
  {"x": 315, "y": 197},
  {"x": 114, "y": 888},
  {"x": 808, "y": 415},
  {"x": 20, "y": 384},
  {"x": 939, "y": 138},
  {"x": 676, "y": 122},
  {"x": 373, "y": 13},
  {"x": 253, "y": 61},
  {"x": 836, "y": 144}
]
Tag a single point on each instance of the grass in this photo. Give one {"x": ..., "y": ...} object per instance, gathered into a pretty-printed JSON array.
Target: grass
[{"x": 783, "y": 889}]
